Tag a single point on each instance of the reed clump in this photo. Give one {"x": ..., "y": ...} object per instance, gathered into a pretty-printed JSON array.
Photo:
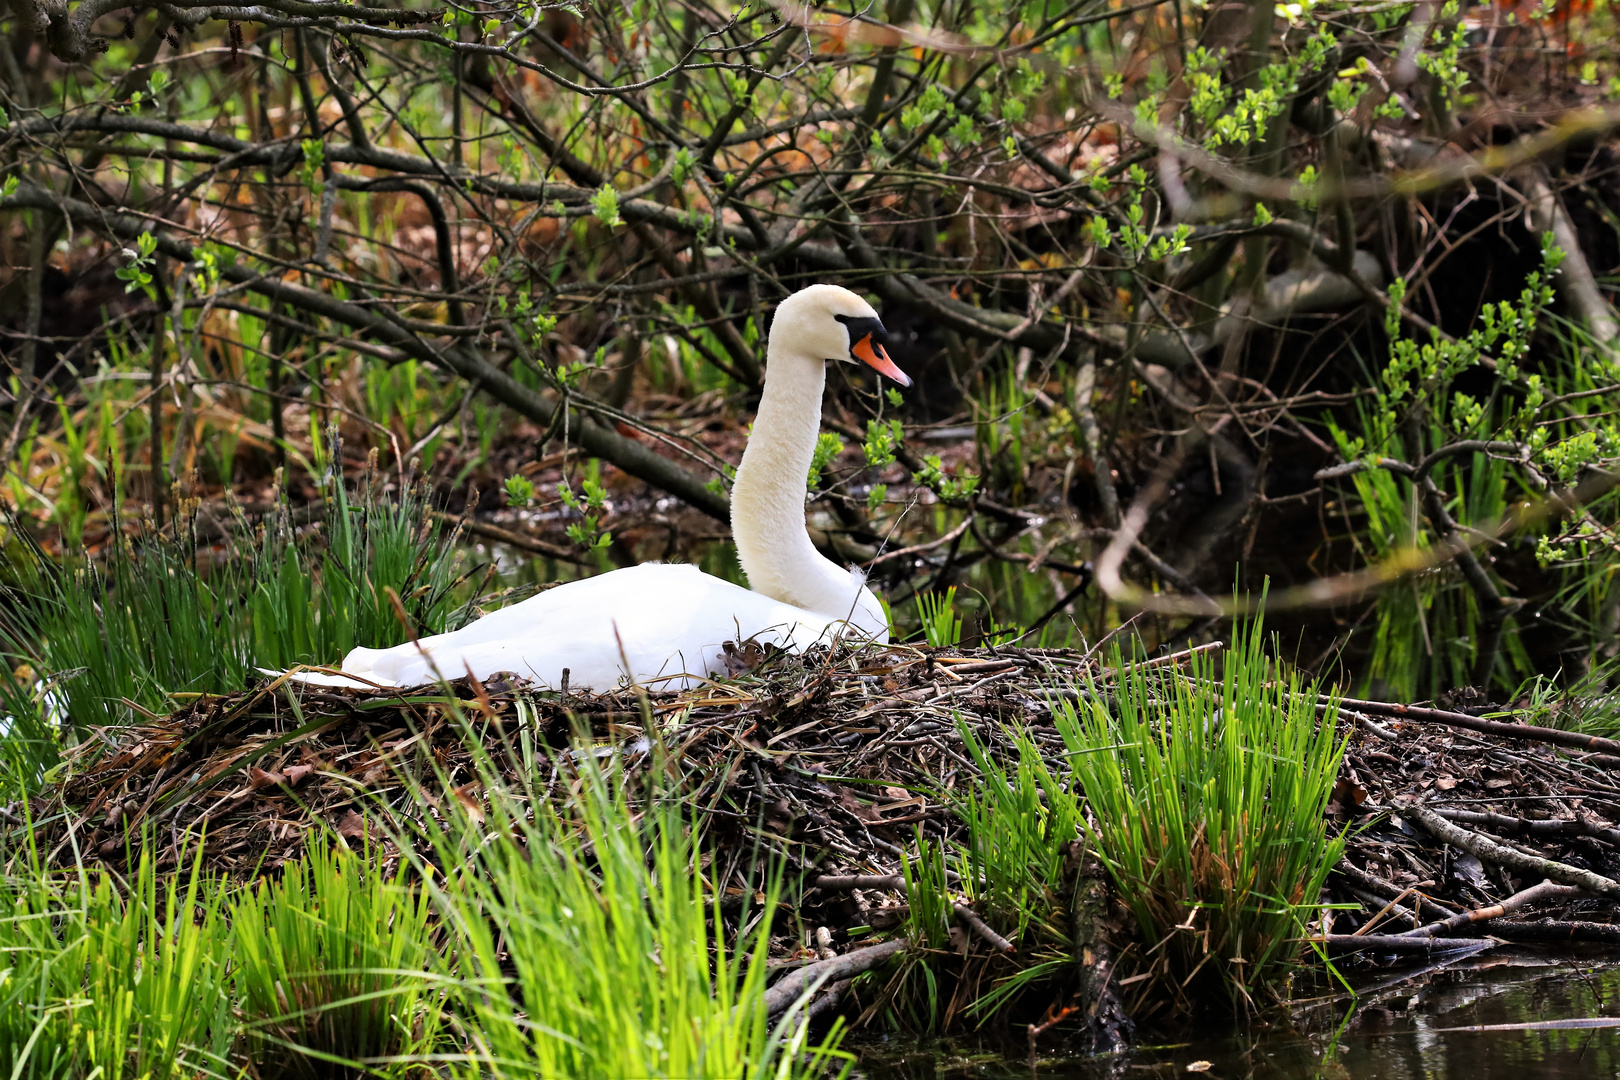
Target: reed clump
[
  {"x": 590, "y": 942},
  {"x": 334, "y": 966},
  {"x": 113, "y": 976},
  {"x": 577, "y": 941},
  {"x": 1207, "y": 796}
]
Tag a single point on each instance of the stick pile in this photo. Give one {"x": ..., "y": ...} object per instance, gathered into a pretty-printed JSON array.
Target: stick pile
[
  {"x": 1464, "y": 833},
  {"x": 1473, "y": 832}
]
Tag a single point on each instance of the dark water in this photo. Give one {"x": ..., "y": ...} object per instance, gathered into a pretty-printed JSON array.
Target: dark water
[{"x": 1391, "y": 1032}]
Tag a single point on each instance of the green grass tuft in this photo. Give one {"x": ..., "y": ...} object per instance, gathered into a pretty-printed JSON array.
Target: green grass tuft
[
  {"x": 1206, "y": 798},
  {"x": 331, "y": 965},
  {"x": 941, "y": 625},
  {"x": 584, "y": 948},
  {"x": 118, "y": 638},
  {"x": 113, "y": 979},
  {"x": 1022, "y": 823}
]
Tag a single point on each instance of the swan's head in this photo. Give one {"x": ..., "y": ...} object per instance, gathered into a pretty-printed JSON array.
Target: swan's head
[{"x": 832, "y": 323}]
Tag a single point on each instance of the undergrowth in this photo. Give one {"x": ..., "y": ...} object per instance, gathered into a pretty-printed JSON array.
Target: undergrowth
[
  {"x": 170, "y": 615},
  {"x": 600, "y": 921},
  {"x": 331, "y": 965},
  {"x": 1201, "y": 792},
  {"x": 524, "y": 936},
  {"x": 574, "y": 940}
]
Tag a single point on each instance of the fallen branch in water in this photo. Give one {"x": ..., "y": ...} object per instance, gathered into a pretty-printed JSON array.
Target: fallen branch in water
[
  {"x": 1398, "y": 943},
  {"x": 1547, "y": 890},
  {"x": 1558, "y": 930}
]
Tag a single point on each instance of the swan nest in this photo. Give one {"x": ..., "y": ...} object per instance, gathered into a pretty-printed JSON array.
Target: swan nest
[
  {"x": 836, "y": 761},
  {"x": 831, "y": 751}
]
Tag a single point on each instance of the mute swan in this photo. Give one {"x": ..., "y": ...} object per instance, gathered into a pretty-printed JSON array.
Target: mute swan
[{"x": 669, "y": 621}]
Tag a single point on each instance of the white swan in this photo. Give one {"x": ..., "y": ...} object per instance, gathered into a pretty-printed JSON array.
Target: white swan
[{"x": 664, "y": 625}]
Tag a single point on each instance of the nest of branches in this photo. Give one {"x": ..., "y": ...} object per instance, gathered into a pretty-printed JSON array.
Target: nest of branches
[
  {"x": 793, "y": 743},
  {"x": 842, "y": 771}
]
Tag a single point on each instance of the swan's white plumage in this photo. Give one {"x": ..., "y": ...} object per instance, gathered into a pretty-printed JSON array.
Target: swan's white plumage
[
  {"x": 670, "y": 643},
  {"x": 669, "y": 622}
]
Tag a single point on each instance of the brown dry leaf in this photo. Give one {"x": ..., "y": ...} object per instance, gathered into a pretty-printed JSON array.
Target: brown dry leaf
[
  {"x": 259, "y": 779},
  {"x": 740, "y": 659},
  {"x": 352, "y": 827},
  {"x": 1445, "y": 783},
  {"x": 897, "y": 793},
  {"x": 1498, "y": 783},
  {"x": 1347, "y": 795},
  {"x": 467, "y": 797},
  {"x": 296, "y": 773},
  {"x": 848, "y": 801}
]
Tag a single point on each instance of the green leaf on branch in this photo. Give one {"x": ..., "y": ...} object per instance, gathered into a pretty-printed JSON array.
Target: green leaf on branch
[
  {"x": 519, "y": 491},
  {"x": 828, "y": 446},
  {"x": 138, "y": 274},
  {"x": 881, "y": 440},
  {"x": 951, "y": 489},
  {"x": 605, "y": 206}
]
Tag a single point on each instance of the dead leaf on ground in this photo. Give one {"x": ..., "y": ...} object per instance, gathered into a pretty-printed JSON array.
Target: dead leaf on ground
[
  {"x": 1347, "y": 795},
  {"x": 466, "y": 795},
  {"x": 260, "y": 779},
  {"x": 352, "y": 827}
]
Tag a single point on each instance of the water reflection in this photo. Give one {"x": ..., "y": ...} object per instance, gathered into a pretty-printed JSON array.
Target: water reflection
[{"x": 1408, "y": 1030}]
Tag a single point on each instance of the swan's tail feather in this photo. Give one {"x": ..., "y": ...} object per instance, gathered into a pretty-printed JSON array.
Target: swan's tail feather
[
  {"x": 363, "y": 669},
  {"x": 331, "y": 678},
  {"x": 403, "y": 665}
]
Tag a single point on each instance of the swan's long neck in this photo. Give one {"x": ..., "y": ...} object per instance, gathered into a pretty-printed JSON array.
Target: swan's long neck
[{"x": 767, "y": 500}]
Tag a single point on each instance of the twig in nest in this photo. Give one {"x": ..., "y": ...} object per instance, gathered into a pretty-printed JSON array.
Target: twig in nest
[
  {"x": 982, "y": 928},
  {"x": 791, "y": 987},
  {"x": 1529, "y": 732},
  {"x": 1531, "y": 826},
  {"x": 1385, "y": 889},
  {"x": 846, "y": 882},
  {"x": 1484, "y": 848},
  {"x": 1547, "y": 890}
]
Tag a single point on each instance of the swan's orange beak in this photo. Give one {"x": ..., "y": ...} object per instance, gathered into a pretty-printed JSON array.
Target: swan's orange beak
[{"x": 871, "y": 353}]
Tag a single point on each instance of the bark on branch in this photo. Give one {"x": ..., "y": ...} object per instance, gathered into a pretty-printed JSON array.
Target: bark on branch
[
  {"x": 791, "y": 986},
  {"x": 1488, "y": 850}
]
